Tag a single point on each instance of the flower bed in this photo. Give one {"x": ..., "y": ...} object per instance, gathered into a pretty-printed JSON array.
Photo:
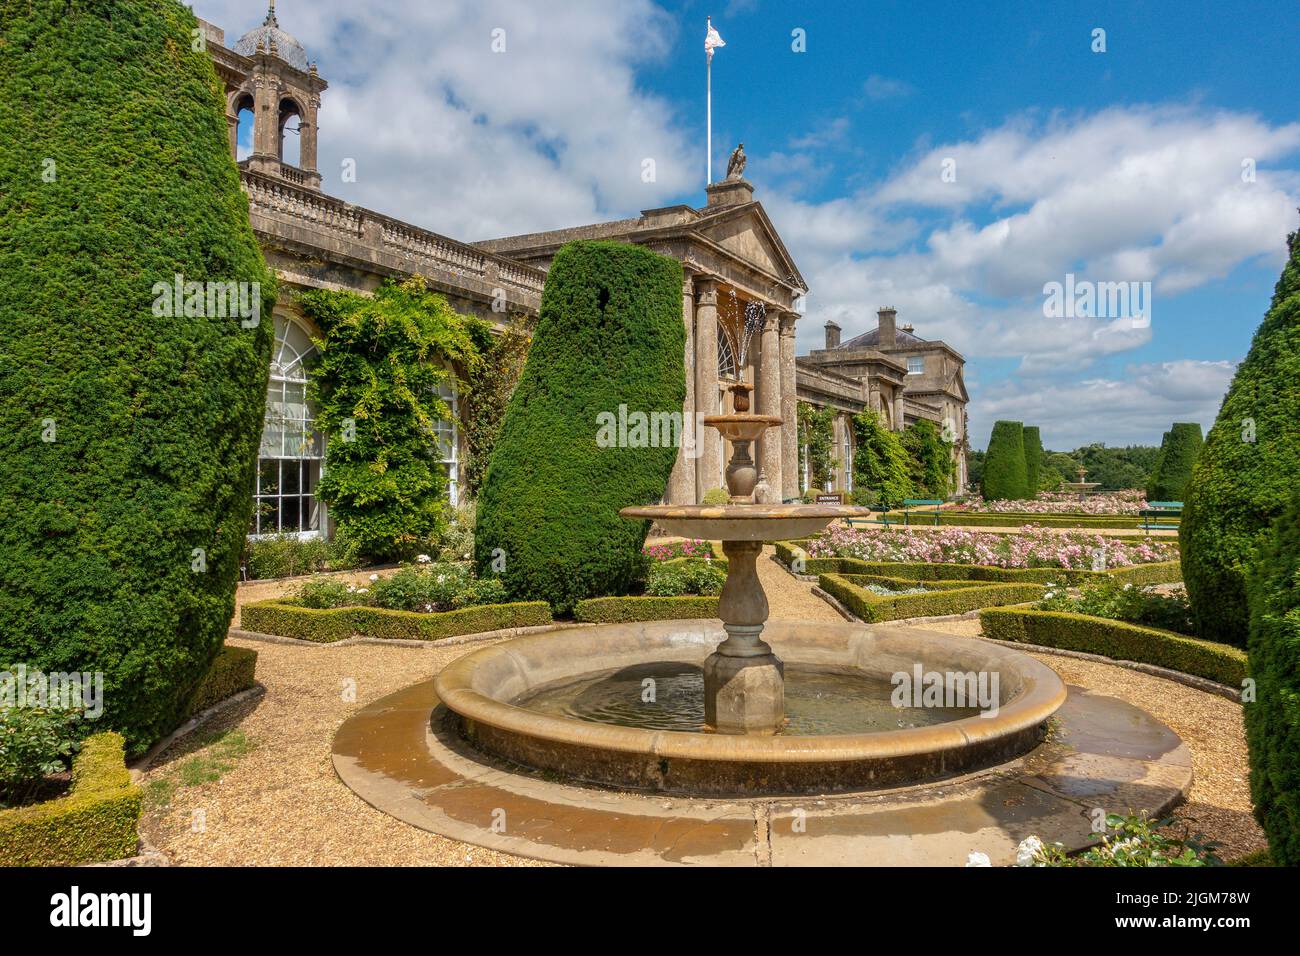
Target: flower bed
[
  {"x": 1125, "y": 601},
  {"x": 1031, "y": 547},
  {"x": 621, "y": 610},
  {"x": 951, "y": 518},
  {"x": 97, "y": 819},
  {"x": 1117, "y": 639},
  {"x": 1113, "y": 503},
  {"x": 860, "y": 593},
  {"x": 685, "y": 548},
  {"x": 326, "y": 625}
]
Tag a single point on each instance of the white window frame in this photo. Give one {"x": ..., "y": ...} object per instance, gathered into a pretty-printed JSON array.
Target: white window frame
[
  {"x": 449, "y": 392},
  {"x": 919, "y": 360},
  {"x": 289, "y": 373}
]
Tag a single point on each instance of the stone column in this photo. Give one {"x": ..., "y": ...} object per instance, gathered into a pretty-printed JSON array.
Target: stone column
[
  {"x": 899, "y": 421},
  {"x": 769, "y": 402},
  {"x": 708, "y": 466},
  {"x": 789, "y": 410},
  {"x": 307, "y": 136},
  {"x": 681, "y": 485},
  {"x": 232, "y": 126}
]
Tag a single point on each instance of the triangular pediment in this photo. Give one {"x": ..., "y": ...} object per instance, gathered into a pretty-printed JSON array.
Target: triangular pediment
[{"x": 748, "y": 234}]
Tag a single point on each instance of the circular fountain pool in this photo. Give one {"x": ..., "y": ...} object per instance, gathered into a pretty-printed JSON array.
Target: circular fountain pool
[
  {"x": 670, "y": 696},
  {"x": 576, "y": 702}
]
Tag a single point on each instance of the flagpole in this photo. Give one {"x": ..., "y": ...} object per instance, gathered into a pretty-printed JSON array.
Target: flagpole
[{"x": 708, "y": 85}]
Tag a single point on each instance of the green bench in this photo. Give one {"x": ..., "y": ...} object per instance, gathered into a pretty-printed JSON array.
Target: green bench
[
  {"x": 867, "y": 522},
  {"x": 1156, "y": 517},
  {"x": 935, "y": 504}
]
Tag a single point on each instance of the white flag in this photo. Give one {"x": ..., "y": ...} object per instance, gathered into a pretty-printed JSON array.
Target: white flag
[{"x": 712, "y": 41}]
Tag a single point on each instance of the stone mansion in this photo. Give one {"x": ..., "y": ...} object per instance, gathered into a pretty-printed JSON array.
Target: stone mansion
[{"x": 733, "y": 260}]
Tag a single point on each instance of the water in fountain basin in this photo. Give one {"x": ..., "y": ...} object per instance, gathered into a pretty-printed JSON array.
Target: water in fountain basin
[{"x": 817, "y": 701}]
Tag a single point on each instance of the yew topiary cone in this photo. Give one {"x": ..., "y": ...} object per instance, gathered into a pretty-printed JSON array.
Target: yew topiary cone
[
  {"x": 1004, "y": 464},
  {"x": 609, "y": 334},
  {"x": 129, "y": 421},
  {"x": 1248, "y": 468}
]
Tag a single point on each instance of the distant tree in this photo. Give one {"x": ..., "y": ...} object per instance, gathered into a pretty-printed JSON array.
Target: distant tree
[
  {"x": 974, "y": 467},
  {"x": 1004, "y": 468},
  {"x": 1057, "y": 467}
]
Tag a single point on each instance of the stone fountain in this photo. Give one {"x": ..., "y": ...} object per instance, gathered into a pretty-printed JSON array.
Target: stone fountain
[
  {"x": 1084, "y": 488},
  {"x": 504, "y": 746},
  {"x": 744, "y": 681},
  {"x": 743, "y": 706}
]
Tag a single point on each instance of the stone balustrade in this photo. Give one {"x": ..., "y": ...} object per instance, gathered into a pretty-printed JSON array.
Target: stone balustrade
[{"x": 361, "y": 227}]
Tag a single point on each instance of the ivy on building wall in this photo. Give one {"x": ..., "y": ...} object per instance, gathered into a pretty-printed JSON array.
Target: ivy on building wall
[
  {"x": 382, "y": 359},
  {"x": 931, "y": 465},
  {"x": 489, "y": 387},
  {"x": 881, "y": 465},
  {"x": 816, "y": 443}
]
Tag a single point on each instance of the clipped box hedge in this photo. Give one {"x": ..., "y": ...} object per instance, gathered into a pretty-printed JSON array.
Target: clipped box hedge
[
  {"x": 286, "y": 619},
  {"x": 943, "y": 598},
  {"x": 1117, "y": 639},
  {"x": 96, "y": 820},
  {"x": 231, "y": 672},
  {"x": 1156, "y": 572},
  {"x": 980, "y": 519},
  {"x": 620, "y": 610}
]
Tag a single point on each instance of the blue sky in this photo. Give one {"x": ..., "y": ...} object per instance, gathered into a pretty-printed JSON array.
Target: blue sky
[{"x": 1123, "y": 165}]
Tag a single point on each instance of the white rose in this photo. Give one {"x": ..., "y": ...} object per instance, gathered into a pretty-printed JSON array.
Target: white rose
[
  {"x": 1028, "y": 849},
  {"x": 978, "y": 859},
  {"x": 374, "y": 577}
]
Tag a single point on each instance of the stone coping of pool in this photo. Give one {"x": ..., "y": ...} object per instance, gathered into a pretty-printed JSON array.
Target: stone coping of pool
[
  {"x": 480, "y": 687},
  {"x": 403, "y": 756},
  {"x": 743, "y": 522}
]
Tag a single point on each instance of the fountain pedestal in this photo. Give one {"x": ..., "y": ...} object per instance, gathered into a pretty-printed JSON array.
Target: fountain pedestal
[{"x": 744, "y": 682}]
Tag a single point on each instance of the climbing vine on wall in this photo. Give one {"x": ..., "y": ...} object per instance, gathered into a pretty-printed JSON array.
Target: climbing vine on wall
[
  {"x": 382, "y": 359},
  {"x": 816, "y": 442},
  {"x": 489, "y": 388}
]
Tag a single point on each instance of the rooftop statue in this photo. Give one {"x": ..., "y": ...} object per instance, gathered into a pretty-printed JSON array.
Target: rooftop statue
[{"x": 736, "y": 164}]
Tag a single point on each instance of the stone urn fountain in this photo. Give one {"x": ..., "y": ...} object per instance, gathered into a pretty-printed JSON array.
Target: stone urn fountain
[
  {"x": 1084, "y": 488},
  {"x": 744, "y": 681}
]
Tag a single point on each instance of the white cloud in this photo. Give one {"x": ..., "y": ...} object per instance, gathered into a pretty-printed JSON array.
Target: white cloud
[
  {"x": 883, "y": 88},
  {"x": 475, "y": 144},
  {"x": 1150, "y": 193},
  {"x": 1136, "y": 409}
]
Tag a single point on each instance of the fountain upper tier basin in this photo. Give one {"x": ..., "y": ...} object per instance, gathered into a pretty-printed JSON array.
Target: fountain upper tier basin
[
  {"x": 744, "y": 522},
  {"x": 483, "y": 690}
]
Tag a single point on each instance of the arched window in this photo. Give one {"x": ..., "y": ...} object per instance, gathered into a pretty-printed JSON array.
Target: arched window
[
  {"x": 290, "y": 145},
  {"x": 726, "y": 355},
  {"x": 244, "y": 127},
  {"x": 289, "y": 461}
]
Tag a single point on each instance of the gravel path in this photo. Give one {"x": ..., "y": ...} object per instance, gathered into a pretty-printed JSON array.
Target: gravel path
[{"x": 281, "y": 803}]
